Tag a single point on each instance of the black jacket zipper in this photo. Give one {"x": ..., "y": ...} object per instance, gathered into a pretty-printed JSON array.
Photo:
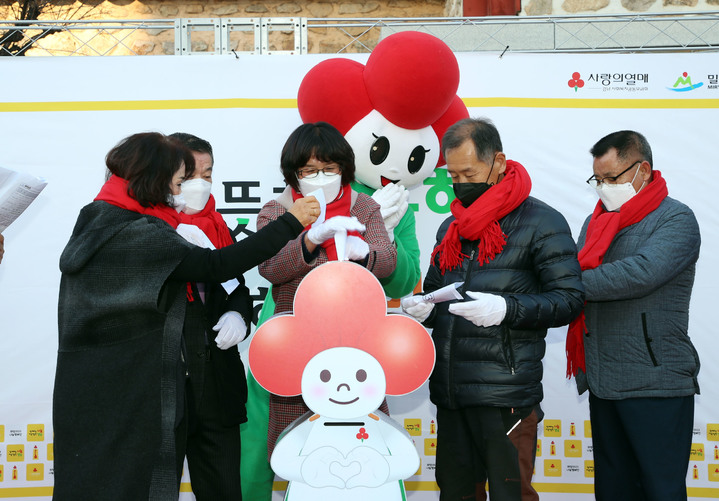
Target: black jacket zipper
[{"x": 451, "y": 332}]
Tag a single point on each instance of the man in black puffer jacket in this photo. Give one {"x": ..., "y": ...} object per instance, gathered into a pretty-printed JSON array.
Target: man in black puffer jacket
[{"x": 517, "y": 263}]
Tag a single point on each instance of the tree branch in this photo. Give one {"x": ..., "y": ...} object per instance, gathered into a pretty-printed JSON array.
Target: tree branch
[{"x": 16, "y": 42}]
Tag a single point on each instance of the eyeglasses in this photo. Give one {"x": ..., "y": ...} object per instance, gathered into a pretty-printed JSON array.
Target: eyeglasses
[
  {"x": 311, "y": 172},
  {"x": 595, "y": 181}
]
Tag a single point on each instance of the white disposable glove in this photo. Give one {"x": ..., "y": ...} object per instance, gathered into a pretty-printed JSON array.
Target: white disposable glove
[
  {"x": 319, "y": 233},
  {"x": 356, "y": 249},
  {"x": 393, "y": 201},
  {"x": 486, "y": 309},
  {"x": 416, "y": 307},
  {"x": 230, "y": 329}
]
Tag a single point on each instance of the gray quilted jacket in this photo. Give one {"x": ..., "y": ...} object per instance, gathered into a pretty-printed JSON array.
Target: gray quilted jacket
[{"x": 637, "y": 309}]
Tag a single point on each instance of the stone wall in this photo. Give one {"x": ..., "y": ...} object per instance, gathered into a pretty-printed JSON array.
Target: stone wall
[
  {"x": 161, "y": 40},
  {"x": 611, "y": 7}
]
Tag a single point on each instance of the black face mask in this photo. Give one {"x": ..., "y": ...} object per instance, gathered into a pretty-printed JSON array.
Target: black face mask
[{"x": 468, "y": 193}]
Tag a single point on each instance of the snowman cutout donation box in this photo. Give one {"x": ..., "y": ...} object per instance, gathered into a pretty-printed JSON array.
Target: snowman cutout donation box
[{"x": 343, "y": 353}]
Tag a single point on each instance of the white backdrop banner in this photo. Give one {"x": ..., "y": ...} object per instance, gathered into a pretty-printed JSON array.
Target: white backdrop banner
[{"x": 60, "y": 116}]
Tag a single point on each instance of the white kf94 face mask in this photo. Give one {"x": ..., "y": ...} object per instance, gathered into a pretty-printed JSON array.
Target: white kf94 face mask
[
  {"x": 177, "y": 202},
  {"x": 613, "y": 196},
  {"x": 196, "y": 193},
  {"x": 329, "y": 183}
]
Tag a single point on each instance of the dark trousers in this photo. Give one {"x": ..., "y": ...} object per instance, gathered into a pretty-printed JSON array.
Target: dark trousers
[
  {"x": 641, "y": 447},
  {"x": 481, "y": 444},
  {"x": 212, "y": 448}
]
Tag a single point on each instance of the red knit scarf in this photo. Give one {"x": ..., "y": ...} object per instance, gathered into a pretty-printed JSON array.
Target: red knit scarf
[
  {"x": 480, "y": 221},
  {"x": 115, "y": 191},
  {"x": 602, "y": 228},
  {"x": 211, "y": 223},
  {"x": 339, "y": 207}
]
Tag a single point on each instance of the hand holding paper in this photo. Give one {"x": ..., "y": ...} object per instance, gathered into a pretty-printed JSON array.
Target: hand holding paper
[
  {"x": 319, "y": 233},
  {"x": 417, "y": 307},
  {"x": 446, "y": 293},
  {"x": 486, "y": 309},
  {"x": 319, "y": 194},
  {"x": 356, "y": 249},
  {"x": 421, "y": 306}
]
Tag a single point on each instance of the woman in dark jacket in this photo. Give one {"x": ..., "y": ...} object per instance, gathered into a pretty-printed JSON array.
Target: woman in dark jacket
[{"x": 121, "y": 311}]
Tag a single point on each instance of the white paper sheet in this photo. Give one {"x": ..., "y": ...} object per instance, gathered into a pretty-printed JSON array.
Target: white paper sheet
[
  {"x": 17, "y": 191},
  {"x": 320, "y": 196},
  {"x": 196, "y": 236},
  {"x": 341, "y": 245},
  {"x": 446, "y": 293}
]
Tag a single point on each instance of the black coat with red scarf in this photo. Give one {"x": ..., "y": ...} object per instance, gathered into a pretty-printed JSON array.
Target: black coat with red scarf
[{"x": 538, "y": 275}]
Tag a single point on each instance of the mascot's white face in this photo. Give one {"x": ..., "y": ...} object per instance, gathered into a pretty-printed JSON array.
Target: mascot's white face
[
  {"x": 343, "y": 383},
  {"x": 385, "y": 153}
]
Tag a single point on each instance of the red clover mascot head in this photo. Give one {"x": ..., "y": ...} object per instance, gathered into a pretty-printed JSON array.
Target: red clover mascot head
[{"x": 393, "y": 110}]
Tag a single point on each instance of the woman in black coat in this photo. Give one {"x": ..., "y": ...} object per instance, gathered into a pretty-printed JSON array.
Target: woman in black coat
[{"x": 120, "y": 314}]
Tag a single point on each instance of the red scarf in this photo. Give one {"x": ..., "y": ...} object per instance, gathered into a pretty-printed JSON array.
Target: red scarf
[
  {"x": 480, "y": 221},
  {"x": 115, "y": 191},
  {"x": 339, "y": 207},
  {"x": 211, "y": 223},
  {"x": 602, "y": 228}
]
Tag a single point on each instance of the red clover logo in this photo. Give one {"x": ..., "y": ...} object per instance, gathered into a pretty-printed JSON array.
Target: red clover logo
[
  {"x": 576, "y": 81},
  {"x": 362, "y": 435}
]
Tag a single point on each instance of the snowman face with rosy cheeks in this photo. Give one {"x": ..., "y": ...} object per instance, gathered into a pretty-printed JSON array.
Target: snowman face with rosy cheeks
[
  {"x": 385, "y": 153},
  {"x": 343, "y": 383}
]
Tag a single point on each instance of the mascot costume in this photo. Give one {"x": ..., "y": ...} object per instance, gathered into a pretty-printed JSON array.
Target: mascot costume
[{"x": 393, "y": 111}]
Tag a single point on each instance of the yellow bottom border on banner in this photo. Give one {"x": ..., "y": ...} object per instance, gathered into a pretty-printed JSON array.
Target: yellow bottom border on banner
[
  {"x": 24, "y": 492},
  {"x": 470, "y": 102},
  {"x": 693, "y": 492}
]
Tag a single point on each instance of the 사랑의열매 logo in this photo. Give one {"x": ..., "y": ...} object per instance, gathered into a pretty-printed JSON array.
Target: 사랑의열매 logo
[{"x": 576, "y": 81}]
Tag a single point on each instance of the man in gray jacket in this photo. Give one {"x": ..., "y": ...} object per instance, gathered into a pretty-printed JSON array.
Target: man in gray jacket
[{"x": 630, "y": 348}]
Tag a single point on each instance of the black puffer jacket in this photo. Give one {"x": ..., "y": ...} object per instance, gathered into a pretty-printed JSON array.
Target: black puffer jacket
[{"x": 538, "y": 275}]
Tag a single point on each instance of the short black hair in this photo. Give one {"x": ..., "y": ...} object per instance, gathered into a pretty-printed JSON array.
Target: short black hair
[
  {"x": 481, "y": 131},
  {"x": 148, "y": 161},
  {"x": 194, "y": 143},
  {"x": 627, "y": 143},
  {"x": 322, "y": 141}
]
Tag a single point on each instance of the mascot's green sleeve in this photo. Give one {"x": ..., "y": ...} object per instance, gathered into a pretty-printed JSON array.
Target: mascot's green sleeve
[{"x": 407, "y": 274}]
